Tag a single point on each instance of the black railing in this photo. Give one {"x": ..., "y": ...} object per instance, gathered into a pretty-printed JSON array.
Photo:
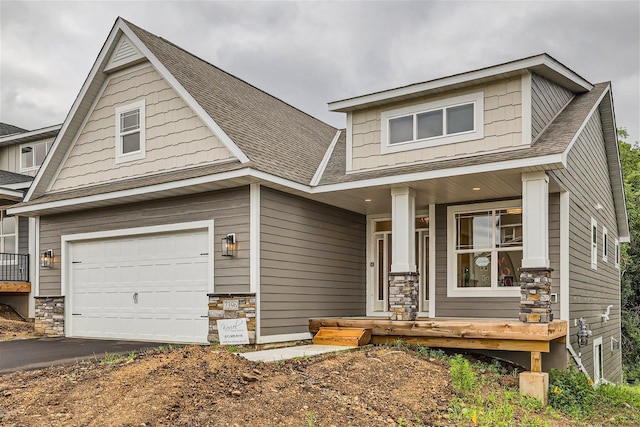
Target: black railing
[{"x": 14, "y": 267}]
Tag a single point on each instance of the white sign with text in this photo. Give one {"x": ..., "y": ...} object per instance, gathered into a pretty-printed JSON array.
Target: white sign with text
[{"x": 233, "y": 331}]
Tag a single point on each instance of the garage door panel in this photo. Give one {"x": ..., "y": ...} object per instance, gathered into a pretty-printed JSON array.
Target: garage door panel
[{"x": 167, "y": 273}]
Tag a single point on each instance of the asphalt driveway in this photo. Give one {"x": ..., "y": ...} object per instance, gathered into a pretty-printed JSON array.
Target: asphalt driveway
[{"x": 22, "y": 355}]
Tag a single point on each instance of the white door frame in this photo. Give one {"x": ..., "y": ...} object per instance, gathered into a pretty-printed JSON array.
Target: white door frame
[{"x": 66, "y": 278}]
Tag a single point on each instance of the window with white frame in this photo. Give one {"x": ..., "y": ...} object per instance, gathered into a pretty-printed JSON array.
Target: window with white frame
[
  {"x": 617, "y": 255},
  {"x": 8, "y": 227},
  {"x": 130, "y": 132},
  {"x": 485, "y": 249},
  {"x": 594, "y": 244},
  {"x": 32, "y": 155},
  {"x": 434, "y": 123},
  {"x": 605, "y": 245}
]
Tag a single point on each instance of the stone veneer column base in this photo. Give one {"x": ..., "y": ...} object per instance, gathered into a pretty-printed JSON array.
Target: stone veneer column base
[
  {"x": 49, "y": 316},
  {"x": 232, "y": 306},
  {"x": 535, "y": 295},
  {"x": 403, "y": 296}
]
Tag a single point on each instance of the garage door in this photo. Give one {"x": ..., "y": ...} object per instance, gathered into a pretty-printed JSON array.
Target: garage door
[{"x": 150, "y": 287}]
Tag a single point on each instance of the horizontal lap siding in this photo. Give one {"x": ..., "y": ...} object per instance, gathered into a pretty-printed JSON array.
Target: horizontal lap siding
[
  {"x": 547, "y": 99},
  {"x": 229, "y": 209},
  {"x": 489, "y": 307},
  {"x": 312, "y": 263},
  {"x": 591, "y": 291}
]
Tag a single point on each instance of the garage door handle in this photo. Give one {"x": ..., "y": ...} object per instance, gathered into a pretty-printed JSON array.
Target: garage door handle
[
  {"x": 76, "y": 314},
  {"x": 205, "y": 253},
  {"x": 206, "y": 315}
]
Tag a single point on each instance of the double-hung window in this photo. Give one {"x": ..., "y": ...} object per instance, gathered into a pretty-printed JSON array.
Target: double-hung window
[
  {"x": 130, "y": 132},
  {"x": 32, "y": 155},
  {"x": 8, "y": 227},
  {"x": 485, "y": 252},
  {"x": 433, "y": 123}
]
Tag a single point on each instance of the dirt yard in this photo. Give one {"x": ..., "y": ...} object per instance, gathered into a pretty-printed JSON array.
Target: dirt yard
[{"x": 12, "y": 327}]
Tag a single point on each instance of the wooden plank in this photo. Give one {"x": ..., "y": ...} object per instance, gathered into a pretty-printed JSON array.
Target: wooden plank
[
  {"x": 24, "y": 287},
  {"x": 451, "y": 328},
  {"x": 342, "y": 336},
  {"x": 466, "y": 343},
  {"x": 536, "y": 361}
]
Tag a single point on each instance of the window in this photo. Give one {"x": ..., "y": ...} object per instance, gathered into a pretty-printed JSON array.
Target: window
[
  {"x": 130, "y": 132},
  {"x": 617, "y": 255},
  {"x": 594, "y": 244},
  {"x": 8, "y": 227},
  {"x": 605, "y": 245},
  {"x": 32, "y": 155},
  {"x": 433, "y": 123},
  {"x": 598, "y": 361},
  {"x": 485, "y": 249}
]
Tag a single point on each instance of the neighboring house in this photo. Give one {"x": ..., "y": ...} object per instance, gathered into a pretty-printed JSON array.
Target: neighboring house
[
  {"x": 176, "y": 194},
  {"x": 21, "y": 153}
]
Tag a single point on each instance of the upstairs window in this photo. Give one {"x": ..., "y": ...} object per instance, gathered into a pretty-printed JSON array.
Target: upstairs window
[
  {"x": 32, "y": 155},
  {"x": 594, "y": 244},
  {"x": 130, "y": 132},
  {"x": 7, "y": 234},
  {"x": 434, "y": 123},
  {"x": 605, "y": 244}
]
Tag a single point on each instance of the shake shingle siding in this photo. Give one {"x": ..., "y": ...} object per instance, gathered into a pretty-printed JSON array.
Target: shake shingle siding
[
  {"x": 592, "y": 290},
  {"x": 547, "y": 99},
  {"x": 228, "y": 209},
  {"x": 312, "y": 263}
]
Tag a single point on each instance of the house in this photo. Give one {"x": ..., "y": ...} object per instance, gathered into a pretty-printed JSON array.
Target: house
[
  {"x": 21, "y": 153},
  {"x": 176, "y": 194}
]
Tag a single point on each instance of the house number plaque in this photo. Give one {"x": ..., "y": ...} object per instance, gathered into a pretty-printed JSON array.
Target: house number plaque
[{"x": 232, "y": 305}]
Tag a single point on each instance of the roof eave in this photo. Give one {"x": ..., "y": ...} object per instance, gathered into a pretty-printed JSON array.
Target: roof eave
[{"x": 34, "y": 135}]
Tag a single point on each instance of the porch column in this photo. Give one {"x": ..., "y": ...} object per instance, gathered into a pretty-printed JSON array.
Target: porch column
[
  {"x": 403, "y": 277},
  {"x": 535, "y": 274}
]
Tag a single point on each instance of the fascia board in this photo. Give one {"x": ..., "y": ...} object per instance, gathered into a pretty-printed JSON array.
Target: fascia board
[
  {"x": 520, "y": 65},
  {"x": 186, "y": 96},
  {"x": 31, "y": 135},
  {"x": 325, "y": 160}
]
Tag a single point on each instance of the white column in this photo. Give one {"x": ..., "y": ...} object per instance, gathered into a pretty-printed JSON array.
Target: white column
[
  {"x": 403, "y": 229},
  {"x": 535, "y": 220}
]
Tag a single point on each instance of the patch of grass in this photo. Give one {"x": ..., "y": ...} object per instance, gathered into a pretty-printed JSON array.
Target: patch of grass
[
  {"x": 463, "y": 377},
  {"x": 571, "y": 392},
  {"x": 620, "y": 404},
  {"x": 311, "y": 418},
  {"x": 112, "y": 358}
]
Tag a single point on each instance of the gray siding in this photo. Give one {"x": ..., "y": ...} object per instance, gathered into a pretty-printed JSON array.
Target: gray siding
[
  {"x": 229, "y": 209},
  {"x": 547, "y": 99},
  {"x": 23, "y": 237},
  {"x": 312, "y": 263},
  {"x": 504, "y": 307},
  {"x": 591, "y": 291}
]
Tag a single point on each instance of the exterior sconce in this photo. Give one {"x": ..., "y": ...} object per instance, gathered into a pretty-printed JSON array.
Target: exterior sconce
[
  {"x": 46, "y": 258},
  {"x": 228, "y": 245},
  {"x": 583, "y": 332}
]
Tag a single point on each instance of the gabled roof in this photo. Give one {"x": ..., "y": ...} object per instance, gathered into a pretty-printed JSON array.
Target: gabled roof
[
  {"x": 7, "y": 129},
  {"x": 542, "y": 64},
  {"x": 262, "y": 131},
  {"x": 29, "y": 136}
]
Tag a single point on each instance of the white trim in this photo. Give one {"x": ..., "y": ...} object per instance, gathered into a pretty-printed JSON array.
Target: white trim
[
  {"x": 515, "y": 66},
  {"x": 605, "y": 244},
  {"x": 564, "y": 256},
  {"x": 432, "y": 260},
  {"x": 254, "y": 236},
  {"x": 186, "y": 96},
  {"x": 525, "y": 83},
  {"x": 67, "y": 239},
  {"x": 34, "y": 263},
  {"x": 325, "y": 160},
  {"x": 535, "y": 220},
  {"x": 403, "y": 221},
  {"x": 13, "y": 194},
  {"x": 32, "y": 144},
  {"x": 617, "y": 253},
  {"x": 349, "y": 152},
  {"x": 17, "y": 185},
  {"x": 140, "y": 153},
  {"x": 452, "y": 289},
  {"x": 475, "y": 98},
  {"x": 24, "y": 135},
  {"x": 283, "y": 338},
  {"x": 576, "y": 135},
  {"x": 597, "y": 379},
  {"x": 593, "y": 245}
]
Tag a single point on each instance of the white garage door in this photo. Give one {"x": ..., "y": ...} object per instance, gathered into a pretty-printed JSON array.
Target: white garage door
[{"x": 149, "y": 287}]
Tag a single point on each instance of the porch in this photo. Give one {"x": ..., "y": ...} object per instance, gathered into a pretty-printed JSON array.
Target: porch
[
  {"x": 461, "y": 333},
  {"x": 14, "y": 274}
]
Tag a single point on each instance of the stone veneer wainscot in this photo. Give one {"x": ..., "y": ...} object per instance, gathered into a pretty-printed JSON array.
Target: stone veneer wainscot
[
  {"x": 49, "y": 316},
  {"x": 246, "y": 308}
]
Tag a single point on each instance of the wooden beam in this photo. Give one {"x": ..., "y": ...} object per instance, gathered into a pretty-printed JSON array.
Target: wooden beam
[
  {"x": 467, "y": 343},
  {"x": 451, "y": 328},
  {"x": 23, "y": 287},
  {"x": 536, "y": 361}
]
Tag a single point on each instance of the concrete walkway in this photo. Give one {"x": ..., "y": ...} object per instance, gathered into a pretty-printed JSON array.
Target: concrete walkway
[{"x": 285, "y": 353}]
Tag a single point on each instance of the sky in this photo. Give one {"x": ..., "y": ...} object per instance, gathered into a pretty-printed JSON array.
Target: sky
[{"x": 312, "y": 53}]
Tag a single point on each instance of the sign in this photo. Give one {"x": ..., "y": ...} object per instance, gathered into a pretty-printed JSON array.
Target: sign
[
  {"x": 482, "y": 261},
  {"x": 233, "y": 331},
  {"x": 231, "y": 304}
]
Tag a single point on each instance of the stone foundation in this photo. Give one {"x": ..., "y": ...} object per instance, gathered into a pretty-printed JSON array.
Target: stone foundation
[
  {"x": 49, "y": 316},
  {"x": 403, "y": 296},
  {"x": 535, "y": 295},
  {"x": 232, "y": 306}
]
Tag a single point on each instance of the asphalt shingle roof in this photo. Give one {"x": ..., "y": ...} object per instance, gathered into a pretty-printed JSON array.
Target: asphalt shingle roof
[
  {"x": 7, "y": 129},
  {"x": 7, "y": 177}
]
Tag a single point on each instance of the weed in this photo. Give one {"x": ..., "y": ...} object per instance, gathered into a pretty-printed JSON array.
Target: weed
[
  {"x": 571, "y": 392},
  {"x": 311, "y": 418},
  {"x": 463, "y": 378},
  {"x": 111, "y": 358}
]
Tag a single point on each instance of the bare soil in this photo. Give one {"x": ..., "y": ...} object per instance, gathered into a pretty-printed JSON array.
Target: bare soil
[{"x": 12, "y": 326}]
